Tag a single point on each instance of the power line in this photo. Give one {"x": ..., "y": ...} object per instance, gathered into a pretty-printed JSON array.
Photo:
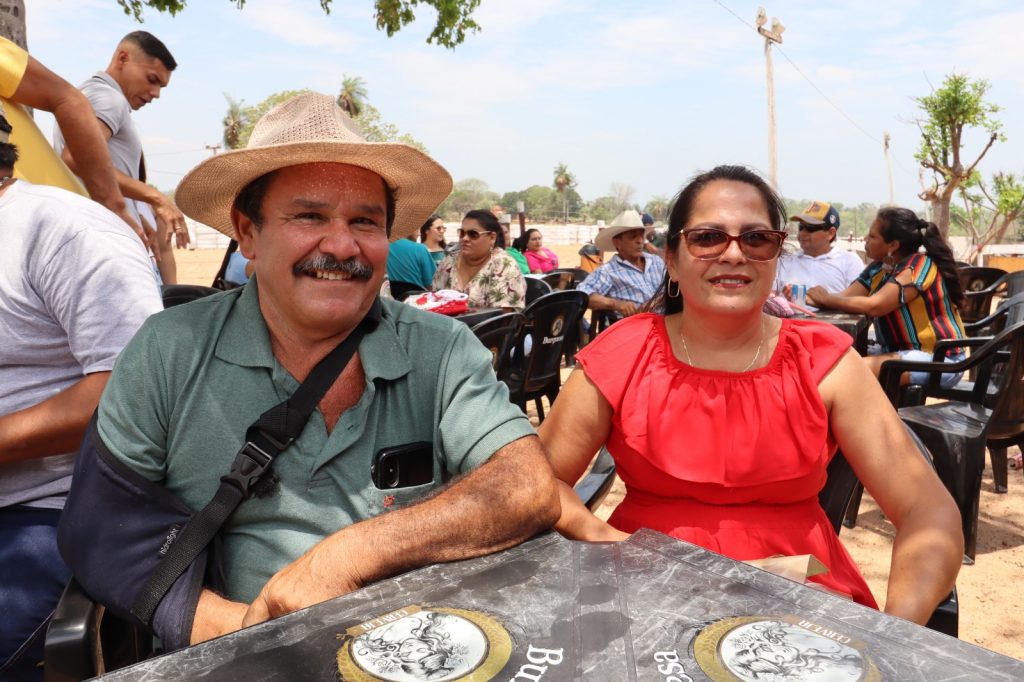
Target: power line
[{"x": 816, "y": 88}]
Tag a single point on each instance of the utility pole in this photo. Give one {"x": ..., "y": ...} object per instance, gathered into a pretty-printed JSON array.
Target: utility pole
[
  {"x": 213, "y": 148},
  {"x": 773, "y": 35},
  {"x": 888, "y": 166}
]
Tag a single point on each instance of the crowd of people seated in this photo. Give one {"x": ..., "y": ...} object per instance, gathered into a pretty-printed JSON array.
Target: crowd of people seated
[{"x": 722, "y": 419}]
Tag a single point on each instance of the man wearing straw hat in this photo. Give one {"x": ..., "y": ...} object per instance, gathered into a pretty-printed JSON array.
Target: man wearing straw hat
[
  {"x": 632, "y": 276},
  {"x": 313, "y": 206}
]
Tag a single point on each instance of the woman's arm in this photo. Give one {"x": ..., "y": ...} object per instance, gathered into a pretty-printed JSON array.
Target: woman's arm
[
  {"x": 575, "y": 429},
  {"x": 855, "y": 298},
  {"x": 929, "y": 543}
]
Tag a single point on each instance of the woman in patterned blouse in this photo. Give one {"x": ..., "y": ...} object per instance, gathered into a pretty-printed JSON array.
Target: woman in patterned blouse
[
  {"x": 911, "y": 288},
  {"x": 481, "y": 269}
]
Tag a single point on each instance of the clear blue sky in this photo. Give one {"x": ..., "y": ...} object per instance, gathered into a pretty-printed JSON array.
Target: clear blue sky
[{"x": 642, "y": 93}]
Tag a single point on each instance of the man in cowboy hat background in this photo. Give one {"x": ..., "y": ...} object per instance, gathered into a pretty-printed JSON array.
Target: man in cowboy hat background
[
  {"x": 818, "y": 263},
  {"x": 313, "y": 205},
  {"x": 75, "y": 286},
  {"x": 138, "y": 71},
  {"x": 632, "y": 276}
]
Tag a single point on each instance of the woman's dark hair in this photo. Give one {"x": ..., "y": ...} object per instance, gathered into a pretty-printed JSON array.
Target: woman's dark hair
[
  {"x": 489, "y": 223},
  {"x": 426, "y": 227},
  {"x": 903, "y": 225},
  {"x": 682, "y": 209}
]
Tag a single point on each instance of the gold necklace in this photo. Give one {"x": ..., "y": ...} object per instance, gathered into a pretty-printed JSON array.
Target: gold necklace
[{"x": 757, "y": 353}]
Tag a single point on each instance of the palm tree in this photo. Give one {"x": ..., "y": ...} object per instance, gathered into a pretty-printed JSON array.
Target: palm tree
[
  {"x": 234, "y": 122},
  {"x": 353, "y": 95},
  {"x": 564, "y": 181}
]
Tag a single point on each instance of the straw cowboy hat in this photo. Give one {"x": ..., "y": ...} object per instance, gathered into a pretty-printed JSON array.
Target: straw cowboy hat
[
  {"x": 312, "y": 128},
  {"x": 624, "y": 222}
]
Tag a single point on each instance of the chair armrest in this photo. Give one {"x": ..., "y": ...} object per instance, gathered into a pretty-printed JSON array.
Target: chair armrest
[{"x": 71, "y": 637}]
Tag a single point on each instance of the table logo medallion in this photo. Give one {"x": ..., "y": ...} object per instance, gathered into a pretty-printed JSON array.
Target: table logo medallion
[
  {"x": 417, "y": 643},
  {"x": 758, "y": 648}
]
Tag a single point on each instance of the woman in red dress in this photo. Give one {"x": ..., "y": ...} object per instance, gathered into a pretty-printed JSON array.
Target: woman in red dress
[{"x": 722, "y": 420}]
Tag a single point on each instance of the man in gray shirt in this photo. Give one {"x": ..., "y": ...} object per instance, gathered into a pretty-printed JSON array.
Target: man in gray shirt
[
  {"x": 75, "y": 285},
  {"x": 140, "y": 68}
]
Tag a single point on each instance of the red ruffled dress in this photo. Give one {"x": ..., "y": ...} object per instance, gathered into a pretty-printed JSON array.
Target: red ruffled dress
[{"x": 729, "y": 461}]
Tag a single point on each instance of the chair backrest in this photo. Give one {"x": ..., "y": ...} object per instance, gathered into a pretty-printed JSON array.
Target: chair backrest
[
  {"x": 841, "y": 483},
  {"x": 549, "y": 320},
  {"x": 1014, "y": 282},
  {"x": 218, "y": 280},
  {"x": 578, "y": 275},
  {"x": 977, "y": 285},
  {"x": 176, "y": 294},
  {"x": 498, "y": 334},
  {"x": 1008, "y": 406},
  {"x": 403, "y": 290},
  {"x": 559, "y": 280},
  {"x": 535, "y": 288}
]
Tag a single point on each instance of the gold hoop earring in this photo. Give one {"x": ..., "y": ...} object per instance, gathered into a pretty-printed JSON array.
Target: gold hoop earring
[{"x": 668, "y": 289}]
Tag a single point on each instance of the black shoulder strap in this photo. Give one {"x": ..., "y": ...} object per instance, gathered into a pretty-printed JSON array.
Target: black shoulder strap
[{"x": 274, "y": 431}]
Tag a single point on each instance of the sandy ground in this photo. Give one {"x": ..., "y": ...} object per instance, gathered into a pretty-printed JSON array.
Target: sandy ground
[{"x": 991, "y": 609}]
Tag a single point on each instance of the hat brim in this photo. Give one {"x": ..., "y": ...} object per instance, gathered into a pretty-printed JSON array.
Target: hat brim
[
  {"x": 804, "y": 218},
  {"x": 419, "y": 183},
  {"x": 604, "y": 238}
]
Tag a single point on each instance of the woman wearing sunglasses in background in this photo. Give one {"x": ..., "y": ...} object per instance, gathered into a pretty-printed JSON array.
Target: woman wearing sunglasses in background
[
  {"x": 722, "y": 420},
  {"x": 913, "y": 296},
  {"x": 432, "y": 237},
  {"x": 481, "y": 269}
]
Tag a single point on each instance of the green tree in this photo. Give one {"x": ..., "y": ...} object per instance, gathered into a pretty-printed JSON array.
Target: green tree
[
  {"x": 657, "y": 206},
  {"x": 603, "y": 208},
  {"x": 564, "y": 181},
  {"x": 352, "y": 97},
  {"x": 959, "y": 104},
  {"x": 467, "y": 195},
  {"x": 454, "y": 17},
  {"x": 990, "y": 208},
  {"x": 234, "y": 122}
]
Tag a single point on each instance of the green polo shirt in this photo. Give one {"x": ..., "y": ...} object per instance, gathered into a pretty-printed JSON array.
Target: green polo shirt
[{"x": 195, "y": 377}]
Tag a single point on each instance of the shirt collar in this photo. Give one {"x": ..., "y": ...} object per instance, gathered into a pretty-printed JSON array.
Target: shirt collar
[
  {"x": 109, "y": 80},
  {"x": 625, "y": 263},
  {"x": 245, "y": 339}
]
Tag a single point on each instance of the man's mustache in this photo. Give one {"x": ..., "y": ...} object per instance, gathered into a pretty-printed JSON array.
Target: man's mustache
[{"x": 350, "y": 267}]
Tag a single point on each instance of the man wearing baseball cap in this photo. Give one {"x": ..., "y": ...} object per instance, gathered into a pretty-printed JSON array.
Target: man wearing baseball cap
[
  {"x": 313, "y": 205},
  {"x": 818, "y": 263}
]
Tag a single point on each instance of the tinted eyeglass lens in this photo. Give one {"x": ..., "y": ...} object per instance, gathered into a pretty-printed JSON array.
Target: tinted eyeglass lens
[
  {"x": 472, "y": 234},
  {"x": 706, "y": 244},
  {"x": 811, "y": 228}
]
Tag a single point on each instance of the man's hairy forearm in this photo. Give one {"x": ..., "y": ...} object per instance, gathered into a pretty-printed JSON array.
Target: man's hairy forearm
[
  {"x": 54, "y": 426},
  {"x": 507, "y": 500}
]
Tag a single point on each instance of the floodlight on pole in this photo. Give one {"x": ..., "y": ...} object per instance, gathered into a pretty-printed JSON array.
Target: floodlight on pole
[{"x": 772, "y": 35}]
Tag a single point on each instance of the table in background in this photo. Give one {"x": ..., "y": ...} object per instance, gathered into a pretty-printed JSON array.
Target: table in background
[{"x": 852, "y": 323}]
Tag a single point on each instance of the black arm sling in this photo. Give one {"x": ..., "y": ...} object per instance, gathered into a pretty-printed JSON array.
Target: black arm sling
[{"x": 268, "y": 436}]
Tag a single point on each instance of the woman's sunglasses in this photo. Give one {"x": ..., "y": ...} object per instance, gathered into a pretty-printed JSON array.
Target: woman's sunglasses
[
  {"x": 708, "y": 243},
  {"x": 472, "y": 234}
]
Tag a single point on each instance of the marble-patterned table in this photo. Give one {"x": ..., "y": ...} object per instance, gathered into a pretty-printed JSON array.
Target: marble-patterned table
[{"x": 650, "y": 608}]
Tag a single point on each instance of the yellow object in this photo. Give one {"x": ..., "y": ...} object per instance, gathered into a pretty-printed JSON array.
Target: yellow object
[{"x": 37, "y": 161}]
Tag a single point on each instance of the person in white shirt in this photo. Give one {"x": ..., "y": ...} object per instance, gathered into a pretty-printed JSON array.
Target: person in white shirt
[{"x": 818, "y": 263}]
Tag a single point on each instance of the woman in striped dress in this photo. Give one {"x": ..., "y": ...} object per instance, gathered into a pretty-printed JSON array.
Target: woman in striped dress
[{"x": 911, "y": 288}]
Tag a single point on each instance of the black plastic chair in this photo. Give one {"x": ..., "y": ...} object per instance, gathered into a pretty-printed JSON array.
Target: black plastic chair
[
  {"x": 979, "y": 285},
  {"x": 559, "y": 280},
  {"x": 578, "y": 275},
  {"x": 838, "y": 494},
  {"x": 177, "y": 294},
  {"x": 550, "y": 320},
  {"x": 83, "y": 640},
  {"x": 594, "y": 486},
  {"x": 403, "y": 290},
  {"x": 499, "y": 335},
  {"x": 535, "y": 288},
  {"x": 218, "y": 280},
  {"x": 956, "y": 431}
]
